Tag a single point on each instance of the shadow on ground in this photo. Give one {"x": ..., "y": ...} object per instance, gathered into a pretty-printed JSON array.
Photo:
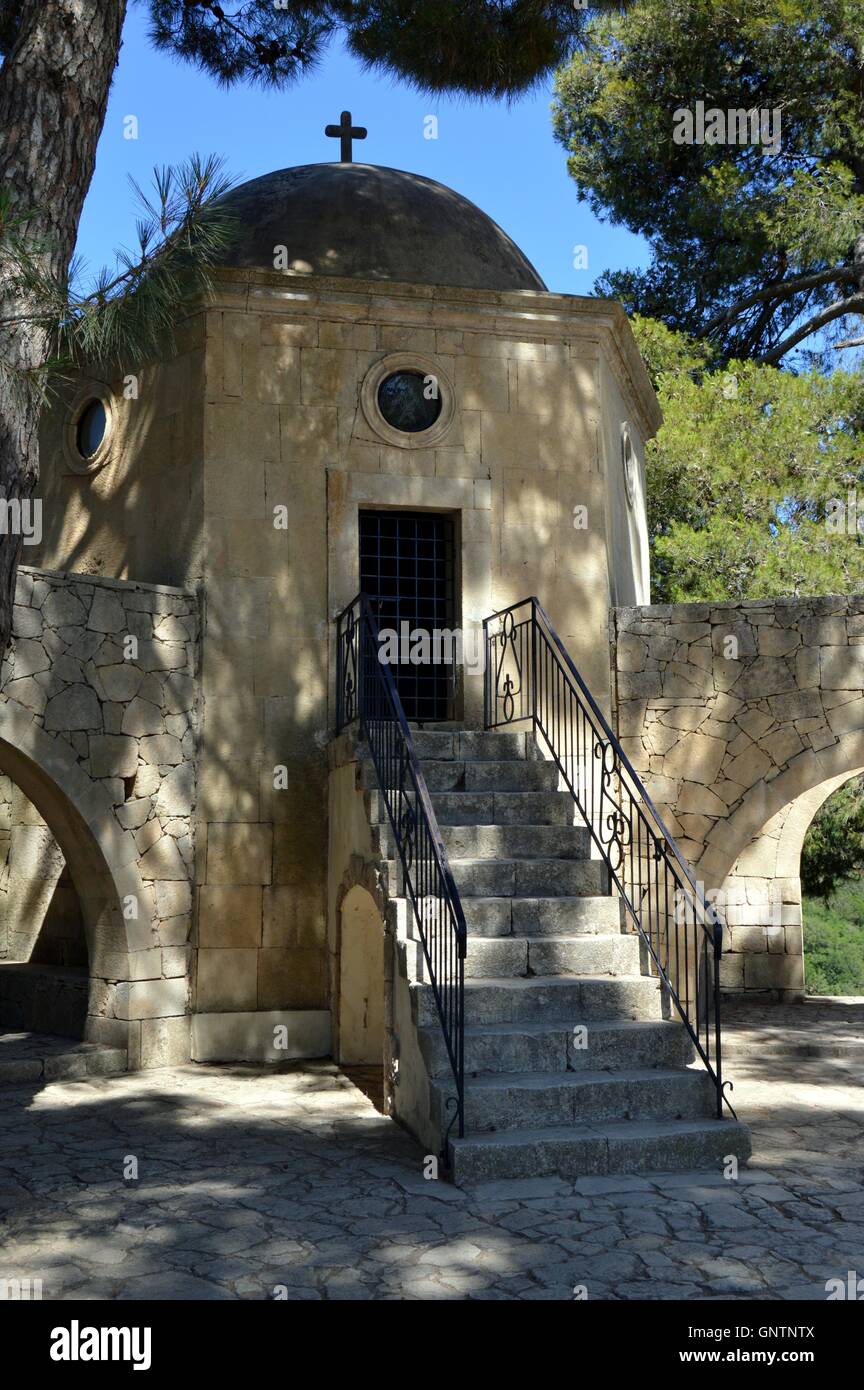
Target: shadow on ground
[{"x": 260, "y": 1184}]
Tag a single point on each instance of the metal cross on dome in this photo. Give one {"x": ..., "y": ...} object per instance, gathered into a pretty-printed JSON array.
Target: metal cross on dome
[{"x": 346, "y": 133}]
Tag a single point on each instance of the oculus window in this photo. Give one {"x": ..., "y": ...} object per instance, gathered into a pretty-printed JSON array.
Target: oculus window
[
  {"x": 90, "y": 429},
  {"x": 409, "y": 401}
]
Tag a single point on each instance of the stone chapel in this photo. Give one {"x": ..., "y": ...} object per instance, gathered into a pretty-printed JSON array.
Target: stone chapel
[{"x": 200, "y": 859}]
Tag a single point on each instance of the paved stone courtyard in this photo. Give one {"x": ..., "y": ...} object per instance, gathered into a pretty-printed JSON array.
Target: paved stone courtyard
[{"x": 251, "y": 1181}]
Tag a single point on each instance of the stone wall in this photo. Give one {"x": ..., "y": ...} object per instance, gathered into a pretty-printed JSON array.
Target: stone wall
[
  {"x": 98, "y": 715},
  {"x": 737, "y": 716}
]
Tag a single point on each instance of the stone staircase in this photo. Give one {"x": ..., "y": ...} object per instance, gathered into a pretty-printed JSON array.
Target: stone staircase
[{"x": 574, "y": 1061}]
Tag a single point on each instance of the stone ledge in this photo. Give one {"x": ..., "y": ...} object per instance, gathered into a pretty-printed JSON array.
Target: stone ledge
[{"x": 78, "y": 577}]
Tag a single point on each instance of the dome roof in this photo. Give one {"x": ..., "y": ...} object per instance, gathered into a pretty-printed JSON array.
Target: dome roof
[{"x": 373, "y": 223}]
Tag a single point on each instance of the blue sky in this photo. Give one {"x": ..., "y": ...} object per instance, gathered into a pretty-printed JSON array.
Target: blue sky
[{"x": 504, "y": 159}]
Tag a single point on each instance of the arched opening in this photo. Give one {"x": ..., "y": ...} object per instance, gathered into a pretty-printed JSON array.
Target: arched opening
[
  {"x": 81, "y": 902},
  {"x": 832, "y": 884},
  {"x": 763, "y": 904},
  {"x": 361, "y": 991},
  {"x": 43, "y": 948}
]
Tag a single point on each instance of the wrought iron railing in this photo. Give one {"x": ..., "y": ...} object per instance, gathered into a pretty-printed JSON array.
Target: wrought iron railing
[
  {"x": 530, "y": 675},
  {"x": 366, "y": 691}
]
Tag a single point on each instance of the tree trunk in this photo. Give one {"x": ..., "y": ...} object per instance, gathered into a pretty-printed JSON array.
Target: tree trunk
[{"x": 53, "y": 96}]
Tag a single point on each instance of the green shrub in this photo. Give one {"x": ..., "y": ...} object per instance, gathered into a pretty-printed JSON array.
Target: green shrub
[{"x": 834, "y": 941}]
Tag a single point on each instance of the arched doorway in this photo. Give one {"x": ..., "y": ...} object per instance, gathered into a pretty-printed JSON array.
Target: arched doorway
[
  {"x": 80, "y": 897},
  {"x": 361, "y": 980},
  {"x": 43, "y": 948},
  {"x": 361, "y": 1029}
]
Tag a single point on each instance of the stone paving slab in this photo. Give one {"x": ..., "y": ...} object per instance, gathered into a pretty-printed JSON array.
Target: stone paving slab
[
  {"x": 818, "y": 1026},
  {"x": 254, "y": 1184}
]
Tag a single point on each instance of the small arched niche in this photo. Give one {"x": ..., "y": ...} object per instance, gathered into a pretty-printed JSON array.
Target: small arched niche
[{"x": 361, "y": 980}]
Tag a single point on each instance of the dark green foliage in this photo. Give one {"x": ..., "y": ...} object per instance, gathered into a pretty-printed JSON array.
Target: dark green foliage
[
  {"x": 742, "y": 475},
  {"x": 128, "y": 312},
  {"x": 834, "y": 844},
  {"x": 834, "y": 942},
  {"x": 252, "y": 41},
  {"x": 481, "y": 47},
  {"x": 477, "y": 47},
  {"x": 757, "y": 251}
]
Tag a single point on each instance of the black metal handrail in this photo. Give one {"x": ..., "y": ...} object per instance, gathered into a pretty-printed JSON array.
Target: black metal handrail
[
  {"x": 530, "y": 675},
  {"x": 366, "y": 691}
]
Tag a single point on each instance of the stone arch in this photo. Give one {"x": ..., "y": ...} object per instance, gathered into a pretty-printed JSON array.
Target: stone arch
[
  {"x": 361, "y": 890},
  {"x": 809, "y": 772},
  {"x": 760, "y": 892},
  {"x": 101, "y": 857}
]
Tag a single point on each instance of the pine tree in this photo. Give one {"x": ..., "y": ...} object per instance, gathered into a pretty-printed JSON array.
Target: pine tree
[
  {"x": 758, "y": 244},
  {"x": 750, "y": 476}
]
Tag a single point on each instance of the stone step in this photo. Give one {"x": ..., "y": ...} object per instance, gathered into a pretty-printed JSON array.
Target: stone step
[
  {"x": 501, "y": 878},
  {"x": 501, "y": 842},
  {"x": 503, "y": 808},
  {"x": 26, "y": 1057},
  {"x": 636, "y": 1146},
  {"x": 516, "y": 842},
  {"x": 488, "y": 808},
  {"x": 443, "y": 775},
  {"x": 473, "y": 745},
  {"x": 543, "y": 1047},
  {"x": 525, "y": 956},
  {"x": 567, "y": 999},
  {"x": 531, "y": 878},
  {"x": 520, "y": 1100},
  {"x": 565, "y": 916},
  {"x": 534, "y": 917}
]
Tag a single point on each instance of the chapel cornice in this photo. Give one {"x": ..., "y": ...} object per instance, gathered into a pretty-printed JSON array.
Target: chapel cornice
[{"x": 537, "y": 314}]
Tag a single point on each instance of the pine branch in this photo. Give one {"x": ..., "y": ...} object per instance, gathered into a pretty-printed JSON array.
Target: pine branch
[
  {"x": 258, "y": 40},
  {"x": 127, "y": 313},
  {"x": 777, "y": 290},
  {"x": 839, "y": 309}
]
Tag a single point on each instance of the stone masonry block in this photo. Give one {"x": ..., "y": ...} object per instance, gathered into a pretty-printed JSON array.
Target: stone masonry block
[
  {"x": 239, "y": 853},
  {"x": 227, "y": 980},
  {"x": 230, "y": 915}
]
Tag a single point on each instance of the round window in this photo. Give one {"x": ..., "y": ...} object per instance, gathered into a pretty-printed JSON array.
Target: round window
[
  {"x": 90, "y": 431},
  {"x": 409, "y": 401}
]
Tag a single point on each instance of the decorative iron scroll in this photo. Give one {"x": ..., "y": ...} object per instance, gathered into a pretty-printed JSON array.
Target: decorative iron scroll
[
  {"x": 507, "y": 637},
  {"x": 664, "y": 904},
  {"x": 618, "y": 836}
]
